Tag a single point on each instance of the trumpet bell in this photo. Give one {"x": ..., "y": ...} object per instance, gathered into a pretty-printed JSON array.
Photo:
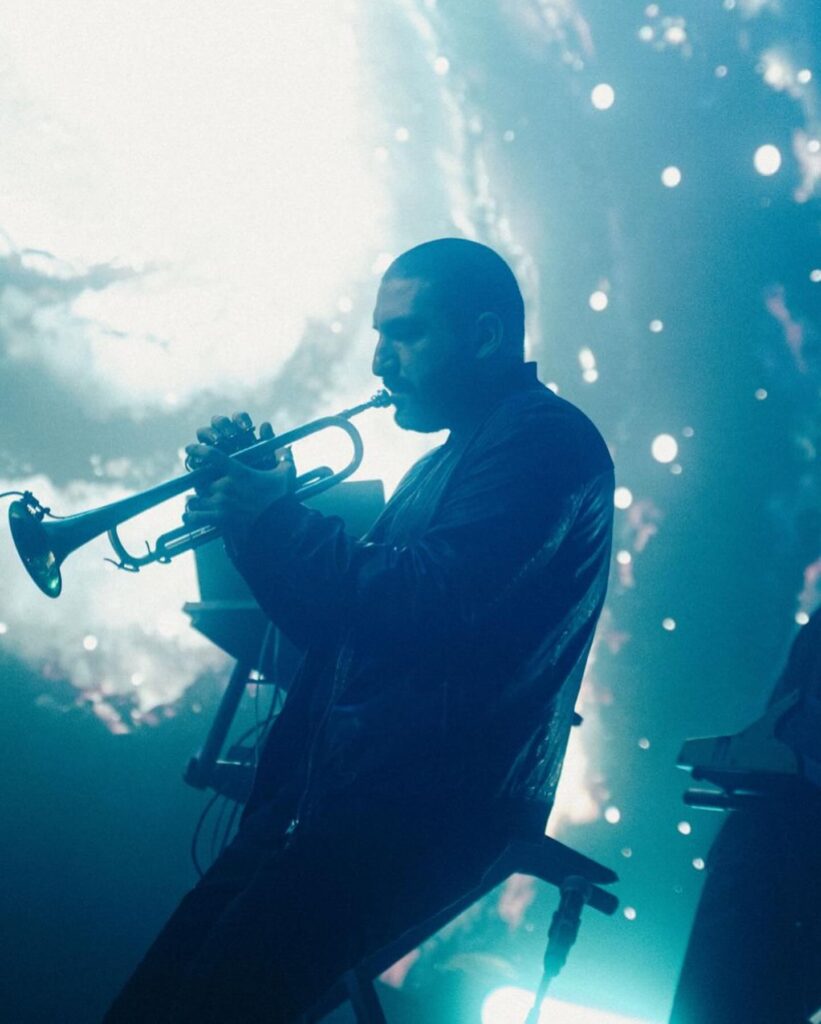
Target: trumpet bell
[{"x": 36, "y": 548}]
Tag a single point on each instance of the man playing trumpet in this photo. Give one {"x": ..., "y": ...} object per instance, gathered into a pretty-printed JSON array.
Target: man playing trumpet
[{"x": 444, "y": 651}]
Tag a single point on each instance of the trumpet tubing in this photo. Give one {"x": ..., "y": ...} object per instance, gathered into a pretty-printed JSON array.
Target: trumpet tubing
[{"x": 43, "y": 546}]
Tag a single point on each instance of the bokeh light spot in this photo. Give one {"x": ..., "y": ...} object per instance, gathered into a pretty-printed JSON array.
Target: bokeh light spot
[
  {"x": 622, "y": 497},
  {"x": 685, "y": 828},
  {"x": 668, "y": 624},
  {"x": 664, "y": 448},
  {"x": 598, "y": 301},
  {"x": 603, "y": 96},
  {"x": 612, "y": 815},
  {"x": 767, "y": 159},
  {"x": 671, "y": 176}
]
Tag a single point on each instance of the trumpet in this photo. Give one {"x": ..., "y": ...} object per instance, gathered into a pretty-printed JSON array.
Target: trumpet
[{"x": 44, "y": 546}]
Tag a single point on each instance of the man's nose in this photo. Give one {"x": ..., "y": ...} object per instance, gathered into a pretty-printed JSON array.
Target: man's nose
[{"x": 384, "y": 357}]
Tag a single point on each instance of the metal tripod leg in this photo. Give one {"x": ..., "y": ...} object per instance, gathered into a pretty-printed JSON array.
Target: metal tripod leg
[
  {"x": 200, "y": 772},
  {"x": 364, "y": 1000}
]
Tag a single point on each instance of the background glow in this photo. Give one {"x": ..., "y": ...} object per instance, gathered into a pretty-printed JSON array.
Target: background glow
[
  {"x": 195, "y": 206},
  {"x": 510, "y": 1005},
  {"x": 209, "y": 155}
]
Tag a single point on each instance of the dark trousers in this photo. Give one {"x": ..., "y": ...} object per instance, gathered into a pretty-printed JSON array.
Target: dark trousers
[
  {"x": 754, "y": 955},
  {"x": 275, "y": 922}
]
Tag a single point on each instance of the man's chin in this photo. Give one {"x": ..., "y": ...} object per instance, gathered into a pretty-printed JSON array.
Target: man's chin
[{"x": 409, "y": 418}]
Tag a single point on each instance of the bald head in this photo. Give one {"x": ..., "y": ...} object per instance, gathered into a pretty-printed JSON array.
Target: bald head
[{"x": 467, "y": 279}]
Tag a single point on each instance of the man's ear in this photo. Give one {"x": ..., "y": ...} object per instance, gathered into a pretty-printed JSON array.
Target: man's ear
[{"x": 489, "y": 335}]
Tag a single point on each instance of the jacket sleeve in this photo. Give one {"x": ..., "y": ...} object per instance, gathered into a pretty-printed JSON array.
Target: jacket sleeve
[{"x": 507, "y": 499}]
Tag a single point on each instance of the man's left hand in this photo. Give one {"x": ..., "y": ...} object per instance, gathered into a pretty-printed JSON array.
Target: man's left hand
[{"x": 238, "y": 494}]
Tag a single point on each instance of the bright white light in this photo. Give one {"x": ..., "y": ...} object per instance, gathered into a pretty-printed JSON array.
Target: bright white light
[
  {"x": 402, "y": 134},
  {"x": 511, "y": 1005},
  {"x": 721, "y": 71},
  {"x": 381, "y": 263},
  {"x": 603, "y": 96},
  {"x": 760, "y": 394},
  {"x": 804, "y": 76},
  {"x": 656, "y": 326},
  {"x": 767, "y": 159},
  {"x": 612, "y": 815},
  {"x": 215, "y": 175},
  {"x": 671, "y": 176},
  {"x": 3, "y": 629},
  {"x": 802, "y": 618},
  {"x": 698, "y": 863},
  {"x": 646, "y": 33},
  {"x": 644, "y": 743},
  {"x": 626, "y": 852},
  {"x": 685, "y": 828},
  {"x": 598, "y": 301},
  {"x": 652, "y": 10},
  {"x": 508, "y": 1005},
  {"x": 668, "y": 624},
  {"x": 587, "y": 360},
  {"x": 622, "y": 497},
  {"x": 664, "y": 448},
  {"x": 624, "y": 557},
  {"x": 815, "y": 275},
  {"x": 90, "y": 642},
  {"x": 441, "y": 65},
  {"x": 630, "y": 913},
  {"x": 814, "y": 145}
]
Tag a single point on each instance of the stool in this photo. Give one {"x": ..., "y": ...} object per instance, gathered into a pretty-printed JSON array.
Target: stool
[{"x": 545, "y": 858}]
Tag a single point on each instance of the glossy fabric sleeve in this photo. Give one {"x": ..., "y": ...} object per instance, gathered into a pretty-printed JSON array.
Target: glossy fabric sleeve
[{"x": 507, "y": 499}]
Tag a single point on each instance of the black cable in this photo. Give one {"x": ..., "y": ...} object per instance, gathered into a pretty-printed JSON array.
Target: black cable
[
  {"x": 217, "y": 827},
  {"x": 196, "y": 834}
]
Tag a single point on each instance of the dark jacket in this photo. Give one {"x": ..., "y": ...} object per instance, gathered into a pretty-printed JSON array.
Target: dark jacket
[{"x": 446, "y": 648}]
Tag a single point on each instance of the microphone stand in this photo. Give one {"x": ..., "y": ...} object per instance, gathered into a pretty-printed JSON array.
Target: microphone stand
[{"x": 564, "y": 927}]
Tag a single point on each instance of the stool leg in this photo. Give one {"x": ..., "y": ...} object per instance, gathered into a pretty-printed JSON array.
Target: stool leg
[{"x": 364, "y": 1000}]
